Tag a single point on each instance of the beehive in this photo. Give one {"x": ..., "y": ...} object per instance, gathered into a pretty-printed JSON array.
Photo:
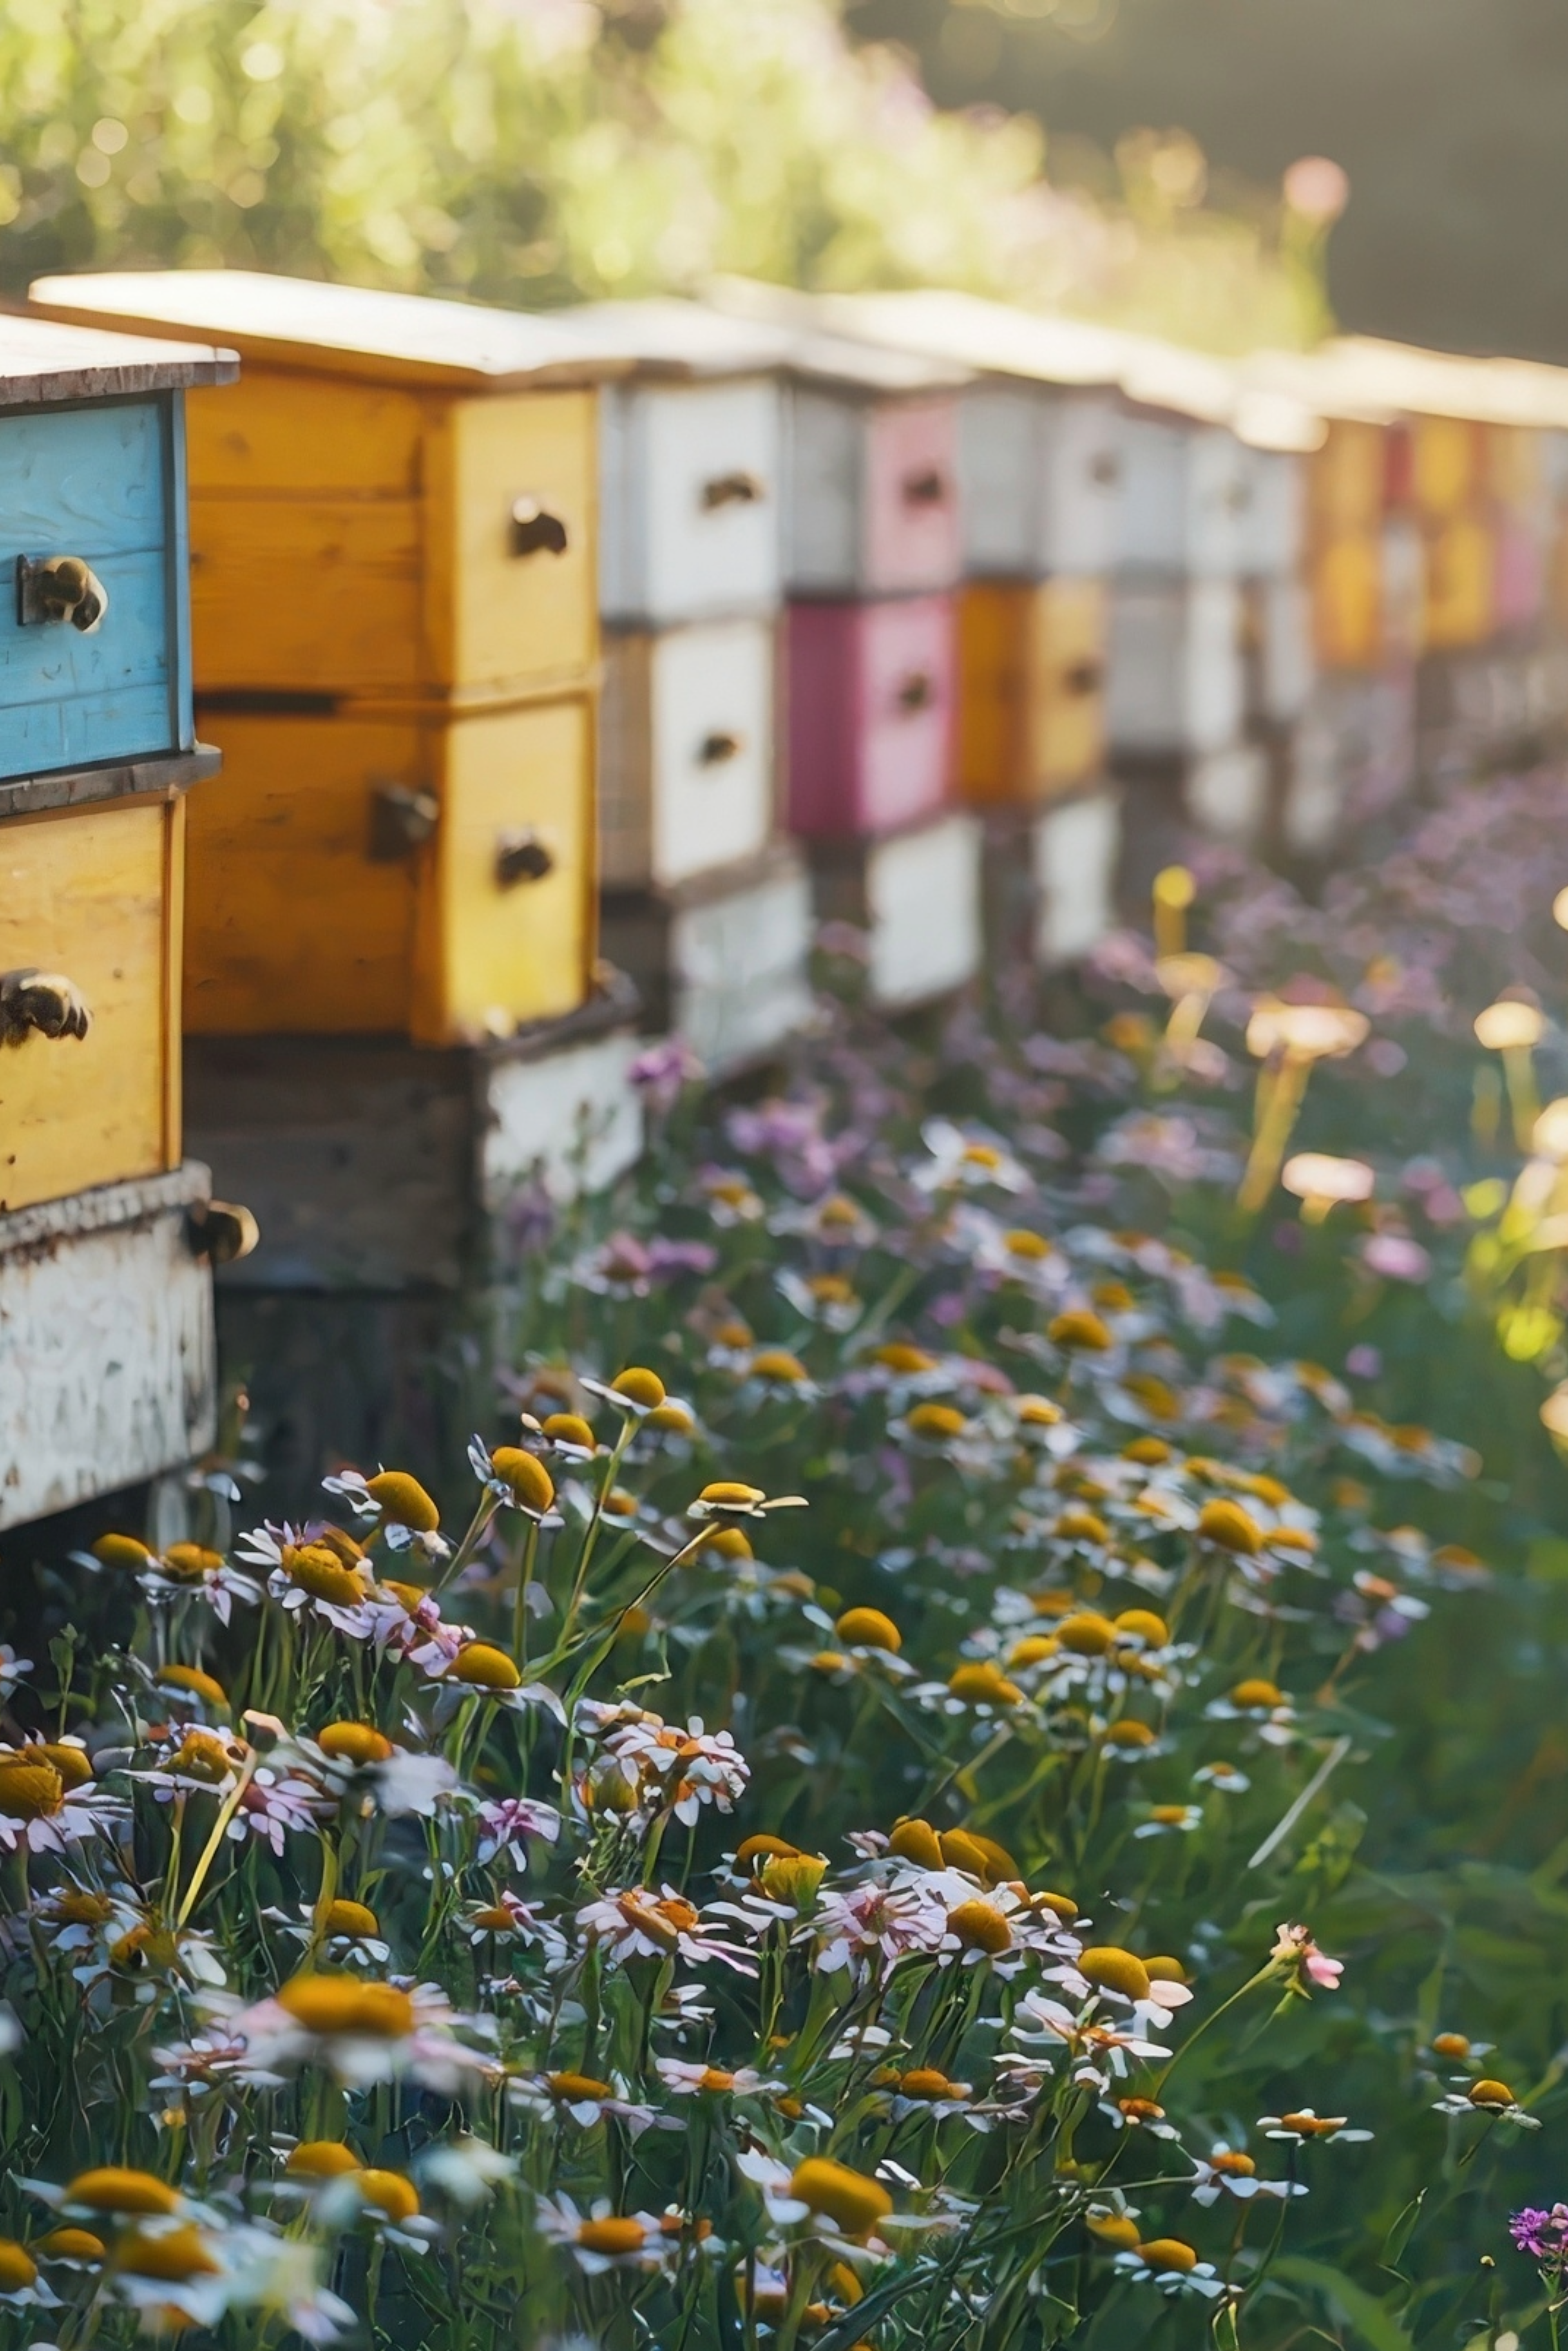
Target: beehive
[
  {"x": 703, "y": 900},
  {"x": 1031, "y": 693},
  {"x": 396, "y": 627},
  {"x": 1010, "y": 675},
  {"x": 396, "y": 645},
  {"x": 106, "y": 1357}
]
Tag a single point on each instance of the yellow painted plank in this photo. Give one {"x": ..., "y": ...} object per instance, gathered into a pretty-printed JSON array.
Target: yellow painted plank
[
  {"x": 274, "y": 433},
  {"x": 307, "y": 595},
  {"x": 1462, "y": 569},
  {"x": 1346, "y": 480},
  {"x": 499, "y": 617},
  {"x": 83, "y": 894},
  {"x": 1066, "y": 743},
  {"x": 492, "y": 957},
  {"x": 173, "y": 952},
  {"x": 1031, "y": 717},
  {"x": 290, "y": 923},
  {"x": 993, "y": 626},
  {"x": 1446, "y": 462},
  {"x": 1347, "y": 601}
]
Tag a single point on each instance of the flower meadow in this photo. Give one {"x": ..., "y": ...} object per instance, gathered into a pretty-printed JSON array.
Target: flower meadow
[{"x": 974, "y": 1756}]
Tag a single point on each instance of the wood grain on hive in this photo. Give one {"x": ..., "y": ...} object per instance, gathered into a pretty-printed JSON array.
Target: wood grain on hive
[
  {"x": 1031, "y": 688},
  {"x": 395, "y": 545}
]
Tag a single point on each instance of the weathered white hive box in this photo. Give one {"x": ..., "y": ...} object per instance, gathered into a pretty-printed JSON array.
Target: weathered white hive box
[
  {"x": 106, "y": 1347},
  {"x": 915, "y": 895},
  {"x": 702, "y": 900}
]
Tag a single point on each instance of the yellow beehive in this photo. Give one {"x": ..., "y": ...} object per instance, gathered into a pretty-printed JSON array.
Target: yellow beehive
[
  {"x": 395, "y": 642},
  {"x": 1448, "y": 456},
  {"x": 1031, "y": 700},
  {"x": 93, "y": 894},
  {"x": 1347, "y": 600},
  {"x": 1345, "y": 492},
  {"x": 1460, "y": 580}
]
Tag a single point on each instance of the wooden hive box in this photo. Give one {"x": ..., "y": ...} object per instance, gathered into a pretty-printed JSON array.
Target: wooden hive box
[
  {"x": 702, "y": 899},
  {"x": 1031, "y": 689},
  {"x": 396, "y": 645},
  {"x": 1039, "y": 470},
  {"x": 106, "y": 1352},
  {"x": 393, "y": 537}
]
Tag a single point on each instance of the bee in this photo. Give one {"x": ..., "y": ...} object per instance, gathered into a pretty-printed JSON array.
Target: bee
[{"x": 42, "y": 1000}]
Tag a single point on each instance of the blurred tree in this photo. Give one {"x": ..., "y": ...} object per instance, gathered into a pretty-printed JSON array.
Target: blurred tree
[
  {"x": 1447, "y": 114},
  {"x": 532, "y": 151}
]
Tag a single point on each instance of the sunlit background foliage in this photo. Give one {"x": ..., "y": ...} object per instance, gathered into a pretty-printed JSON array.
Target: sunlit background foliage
[{"x": 535, "y": 151}]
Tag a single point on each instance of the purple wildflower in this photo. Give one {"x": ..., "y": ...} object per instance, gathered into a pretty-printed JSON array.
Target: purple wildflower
[{"x": 1542, "y": 2235}]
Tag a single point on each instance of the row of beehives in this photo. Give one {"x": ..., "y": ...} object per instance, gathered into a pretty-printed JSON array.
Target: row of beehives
[{"x": 868, "y": 572}]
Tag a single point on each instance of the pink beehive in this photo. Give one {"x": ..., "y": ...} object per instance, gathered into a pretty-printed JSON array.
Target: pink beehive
[{"x": 871, "y": 714}]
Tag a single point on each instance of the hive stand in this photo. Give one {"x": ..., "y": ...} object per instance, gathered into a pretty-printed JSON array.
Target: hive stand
[
  {"x": 106, "y": 1233},
  {"x": 398, "y": 1023}
]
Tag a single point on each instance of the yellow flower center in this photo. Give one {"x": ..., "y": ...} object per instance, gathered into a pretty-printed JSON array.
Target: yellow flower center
[
  {"x": 177, "y": 2255},
  {"x": 925, "y": 2082},
  {"x": 851, "y": 2201},
  {"x": 1086, "y": 1635},
  {"x": 569, "y": 1429},
  {"x": 200, "y": 1756},
  {"x": 344, "y": 2004},
  {"x": 916, "y": 1840},
  {"x": 1167, "y": 2255},
  {"x": 192, "y": 1562},
  {"x": 19, "y": 2270},
  {"x": 1224, "y": 1522},
  {"x": 404, "y": 1501},
  {"x": 354, "y": 1742},
  {"x": 639, "y": 1386},
  {"x": 115, "y": 2187},
  {"x": 980, "y": 1683},
  {"x": 71, "y": 2245},
  {"x": 345, "y": 1917},
  {"x": 939, "y": 1422},
  {"x": 1256, "y": 1694},
  {"x": 29, "y": 1792},
  {"x": 868, "y": 1628},
  {"x": 390, "y": 2193},
  {"x": 121, "y": 1551},
  {"x": 1113, "y": 2229},
  {"x": 1143, "y": 1624},
  {"x": 316, "y": 1569},
  {"x": 1488, "y": 2093},
  {"x": 1112, "y": 1968},
  {"x": 191, "y": 1680},
  {"x": 793, "y": 1877},
  {"x": 612, "y": 2236},
  {"x": 321, "y": 2159},
  {"x": 980, "y": 1926},
  {"x": 524, "y": 1477},
  {"x": 483, "y": 1666},
  {"x": 1079, "y": 1332}
]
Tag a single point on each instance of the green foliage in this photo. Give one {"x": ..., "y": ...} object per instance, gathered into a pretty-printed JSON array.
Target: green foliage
[{"x": 533, "y": 152}]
